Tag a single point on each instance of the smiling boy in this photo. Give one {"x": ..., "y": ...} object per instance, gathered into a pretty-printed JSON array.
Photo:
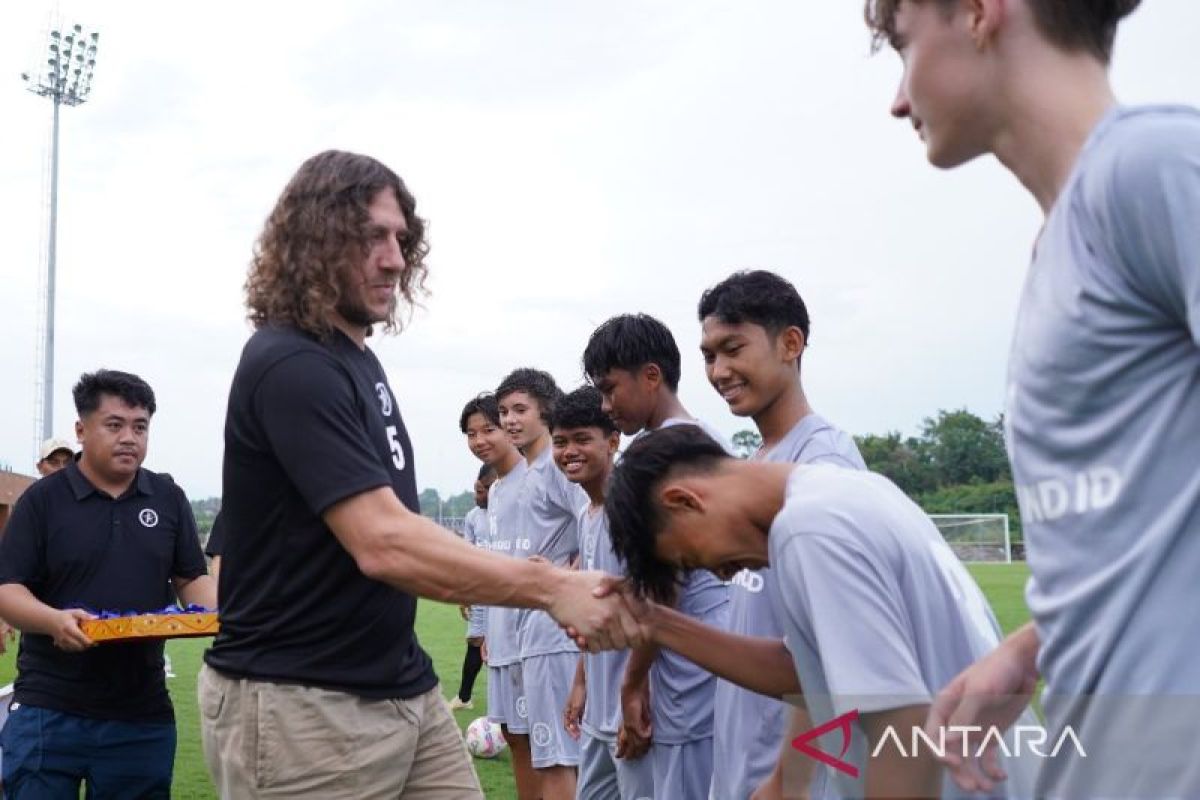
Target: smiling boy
[
  {"x": 585, "y": 441},
  {"x": 754, "y": 331},
  {"x": 1103, "y": 400},
  {"x": 548, "y": 528},
  {"x": 877, "y": 611}
]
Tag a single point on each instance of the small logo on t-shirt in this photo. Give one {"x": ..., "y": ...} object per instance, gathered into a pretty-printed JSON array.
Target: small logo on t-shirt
[
  {"x": 385, "y": 398},
  {"x": 148, "y": 517}
]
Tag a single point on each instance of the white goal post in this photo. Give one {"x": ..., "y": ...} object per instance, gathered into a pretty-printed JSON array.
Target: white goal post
[{"x": 976, "y": 537}]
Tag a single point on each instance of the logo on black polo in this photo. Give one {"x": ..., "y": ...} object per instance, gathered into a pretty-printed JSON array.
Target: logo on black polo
[
  {"x": 148, "y": 517},
  {"x": 385, "y": 398}
]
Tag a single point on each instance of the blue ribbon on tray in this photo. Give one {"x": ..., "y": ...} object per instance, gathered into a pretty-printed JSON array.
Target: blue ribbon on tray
[{"x": 191, "y": 608}]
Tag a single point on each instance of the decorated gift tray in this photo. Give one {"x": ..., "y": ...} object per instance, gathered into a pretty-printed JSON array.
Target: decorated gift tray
[{"x": 171, "y": 622}]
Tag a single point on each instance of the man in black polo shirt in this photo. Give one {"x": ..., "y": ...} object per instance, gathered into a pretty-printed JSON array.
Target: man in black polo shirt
[
  {"x": 103, "y": 534},
  {"x": 325, "y": 550}
]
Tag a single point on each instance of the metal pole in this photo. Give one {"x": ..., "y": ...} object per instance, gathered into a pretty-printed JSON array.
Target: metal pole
[{"x": 48, "y": 375}]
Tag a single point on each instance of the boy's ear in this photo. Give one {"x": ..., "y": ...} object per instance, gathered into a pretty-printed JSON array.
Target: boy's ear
[
  {"x": 614, "y": 442},
  {"x": 790, "y": 343},
  {"x": 679, "y": 498},
  {"x": 652, "y": 374}
]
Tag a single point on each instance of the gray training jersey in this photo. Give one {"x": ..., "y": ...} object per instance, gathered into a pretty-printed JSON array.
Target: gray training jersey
[
  {"x": 550, "y": 529},
  {"x": 504, "y": 519},
  {"x": 604, "y": 671},
  {"x": 1103, "y": 420},
  {"x": 476, "y": 530},
  {"x": 681, "y": 693},
  {"x": 746, "y": 746},
  {"x": 877, "y": 610}
]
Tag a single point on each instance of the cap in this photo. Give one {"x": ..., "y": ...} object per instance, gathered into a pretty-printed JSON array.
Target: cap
[{"x": 51, "y": 446}]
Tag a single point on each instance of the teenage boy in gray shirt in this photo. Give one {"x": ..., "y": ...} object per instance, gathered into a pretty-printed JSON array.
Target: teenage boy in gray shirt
[
  {"x": 754, "y": 330},
  {"x": 548, "y": 529},
  {"x": 585, "y": 441},
  {"x": 667, "y": 701},
  {"x": 1103, "y": 412},
  {"x": 487, "y": 441},
  {"x": 876, "y": 609}
]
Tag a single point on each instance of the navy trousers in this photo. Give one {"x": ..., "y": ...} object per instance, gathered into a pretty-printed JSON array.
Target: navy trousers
[{"x": 48, "y": 754}]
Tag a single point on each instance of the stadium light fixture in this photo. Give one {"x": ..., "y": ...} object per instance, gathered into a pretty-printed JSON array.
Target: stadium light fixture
[{"x": 66, "y": 80}]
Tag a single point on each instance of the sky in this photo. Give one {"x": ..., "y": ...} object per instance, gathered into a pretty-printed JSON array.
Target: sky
[{"x": 574, "y": 160}]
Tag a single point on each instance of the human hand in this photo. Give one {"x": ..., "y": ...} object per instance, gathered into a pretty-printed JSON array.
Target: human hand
[
  {"x": 640, "y": 609},
  {"x": 637, "y": 728},
  {"x": 573, "y": 712},
  {"x": 65, "y": 630},
  {"x": 991, "y": 693},
  {"x": 586, "y": 606},
  {"x": 465, "y": 613},
  {"x": 483, "y": 650}
]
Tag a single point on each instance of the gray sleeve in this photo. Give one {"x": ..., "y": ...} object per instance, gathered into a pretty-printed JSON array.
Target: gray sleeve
[
  {"x": 856, "y": 617},
  {"x": 1153, "y": 213}
]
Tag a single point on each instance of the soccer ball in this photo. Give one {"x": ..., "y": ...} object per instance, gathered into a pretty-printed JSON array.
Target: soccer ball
[{"x": 484, "y": 739}]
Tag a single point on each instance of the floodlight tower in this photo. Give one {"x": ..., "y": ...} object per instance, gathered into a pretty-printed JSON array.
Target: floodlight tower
[{"x": 67, "y": 80}]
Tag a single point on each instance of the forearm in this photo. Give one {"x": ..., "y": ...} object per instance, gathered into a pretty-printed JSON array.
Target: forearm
[
  {"x": 893, "y": 773},
  {"x": 411, "y": 552},
  {"x": 637, "y": 668},
  {"x": 759, "y": 664},
  {"x": 199, "y": 591},
  {"x": 25, "y": 612}
]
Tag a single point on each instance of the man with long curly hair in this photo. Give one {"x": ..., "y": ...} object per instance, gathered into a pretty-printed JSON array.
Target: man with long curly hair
[{"x": 316, "y": 685}]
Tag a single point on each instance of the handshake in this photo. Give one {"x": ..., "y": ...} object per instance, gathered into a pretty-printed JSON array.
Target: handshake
[{"x": 601, "y": 612}]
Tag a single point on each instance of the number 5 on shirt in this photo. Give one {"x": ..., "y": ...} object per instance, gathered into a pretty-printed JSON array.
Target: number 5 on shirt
[{"x": 397, "y": 450}]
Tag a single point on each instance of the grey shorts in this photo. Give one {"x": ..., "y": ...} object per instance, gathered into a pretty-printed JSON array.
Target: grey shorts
[
  {"x": 603, "y": 776},
  {"x": 506, "y": 698},
  {"x": 682, "y": 770},
  {"x": 548, "y": 681}
]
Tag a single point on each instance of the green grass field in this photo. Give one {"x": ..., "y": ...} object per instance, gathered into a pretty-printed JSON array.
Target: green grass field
[{"x": 441, "y": 632}]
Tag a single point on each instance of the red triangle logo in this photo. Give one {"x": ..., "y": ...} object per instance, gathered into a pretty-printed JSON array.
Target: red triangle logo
[{"x": 842, "y": 723}]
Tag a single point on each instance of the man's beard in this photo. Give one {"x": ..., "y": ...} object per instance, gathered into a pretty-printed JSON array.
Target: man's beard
[{"x": 354, "y": 312}]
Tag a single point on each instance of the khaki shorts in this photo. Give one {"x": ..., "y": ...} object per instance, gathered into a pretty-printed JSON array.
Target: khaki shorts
[{"x": 274, "y": 740}]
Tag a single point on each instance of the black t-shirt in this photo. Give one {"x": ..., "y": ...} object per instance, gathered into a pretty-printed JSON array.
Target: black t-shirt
[
  {"x": 311, "y": 423},
  {"x": 216, "y": 538},
  {"x": 72, "y": 545}
]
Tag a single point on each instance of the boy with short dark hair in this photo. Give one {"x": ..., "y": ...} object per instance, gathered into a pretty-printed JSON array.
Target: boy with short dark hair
[
  {"x": 667, "y": 702},
  {"x": 547, "y": 529},
  {"x": 487, "y": 441},
  {"x": 585, "y": 441},
  {"x": 876, "y": 609},
  {"x": 754, "y": 331}
]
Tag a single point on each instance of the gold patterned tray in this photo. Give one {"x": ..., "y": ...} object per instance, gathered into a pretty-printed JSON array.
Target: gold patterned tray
[{"x": 152, "y": 626}]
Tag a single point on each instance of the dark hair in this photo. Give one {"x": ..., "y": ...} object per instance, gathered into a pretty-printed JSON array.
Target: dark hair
[
  {"x": 634, "y": 517},
  {"x": 582, "y": 409},
  {"x": 484, "y": 471},
  {"x": 630, "y": 342},
  {"x": 319, "y": 228},
  {"x": 125, "y": 385},
  {"x": 758, "y": 297},
  {"x": 485, "y": 404},
  {"x": 1073, "y": 25},
  {"x": 537, "y": 384}
]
